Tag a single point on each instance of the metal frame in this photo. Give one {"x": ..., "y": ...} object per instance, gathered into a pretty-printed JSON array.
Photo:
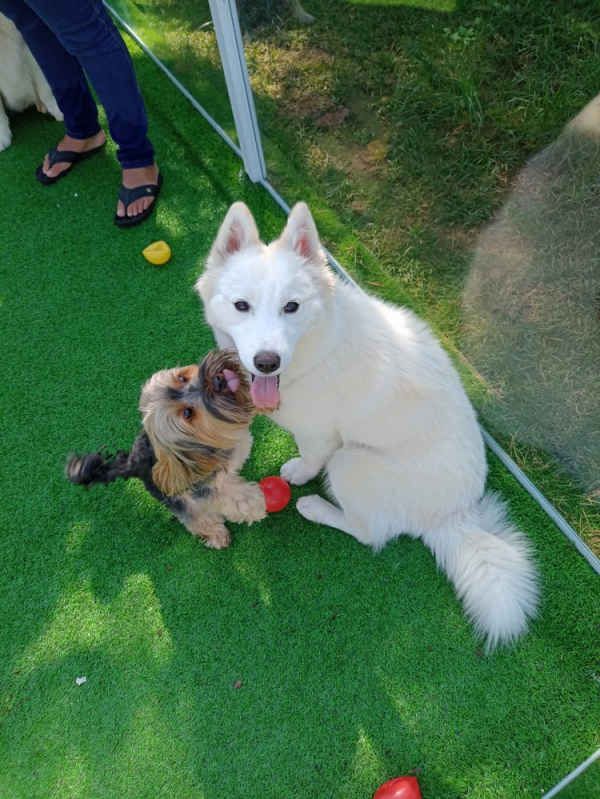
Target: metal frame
[
  {"x": 570, "y": 777},
  {"x": 233, "y": 58}
]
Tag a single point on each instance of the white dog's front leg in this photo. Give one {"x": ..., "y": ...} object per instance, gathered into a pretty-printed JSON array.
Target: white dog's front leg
[
  {"x": 314, "y": 454},
  {"x": 298, "y": 471},
  {"x": 316, "y": 509},
  {"x": 5, "y": 134}
]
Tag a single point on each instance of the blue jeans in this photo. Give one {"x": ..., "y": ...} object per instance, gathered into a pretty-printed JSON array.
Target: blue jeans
[{"x": 74, "y": 38}]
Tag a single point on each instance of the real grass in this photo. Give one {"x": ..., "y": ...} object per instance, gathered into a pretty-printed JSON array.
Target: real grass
[{"x": 296, "y": 663}]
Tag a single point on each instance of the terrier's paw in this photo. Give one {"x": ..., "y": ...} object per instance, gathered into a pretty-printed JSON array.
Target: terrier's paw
[
  {"x": 296, "y": 472},
  {"x": 218, "y": 539},
  {"x": 247, "y": 505}
]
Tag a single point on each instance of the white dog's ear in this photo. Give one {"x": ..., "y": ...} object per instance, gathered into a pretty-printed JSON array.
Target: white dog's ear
[
  {"x": 237, "y": 232},
  {"x": 300, "y": 234}
]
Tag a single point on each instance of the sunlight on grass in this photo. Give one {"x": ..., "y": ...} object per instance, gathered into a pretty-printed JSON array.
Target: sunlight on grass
[
  {"x": 82, "y": 623},
  {"x": 250, "y": 575},
  {"x": 367, "y": 766},
  {"x": 77, "y": 536},
  {"x": 397, "y": 691},
  {"x": 430, "y": 5},
  {"x": 365, "y": 756},
  {"x": 151, "y": 746},
  {"x": 138, "y": 619},
  {"x": 171, "y": 221},
  {"x": 138, "y": 494},
  {"x": 73, "y": 772}
]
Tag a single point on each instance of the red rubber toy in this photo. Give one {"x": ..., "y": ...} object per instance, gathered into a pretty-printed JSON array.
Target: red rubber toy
[
  {"x": 276, "y": 491},
  {"x": 399, "y": 788}
]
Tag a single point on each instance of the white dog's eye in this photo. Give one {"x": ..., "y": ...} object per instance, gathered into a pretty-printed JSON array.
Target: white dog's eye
[
  {"x": 241, "y": 305},
  {"x": 291, "y": 307}
]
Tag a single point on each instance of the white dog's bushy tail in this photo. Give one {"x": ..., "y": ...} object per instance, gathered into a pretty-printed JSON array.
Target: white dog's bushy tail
[{"x": 490, "y": 566}]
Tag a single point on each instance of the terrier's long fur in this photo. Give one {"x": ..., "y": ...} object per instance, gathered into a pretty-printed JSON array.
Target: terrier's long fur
[
  {"x": 194, "y": 440},
  {"x": 371, "y": 397}
]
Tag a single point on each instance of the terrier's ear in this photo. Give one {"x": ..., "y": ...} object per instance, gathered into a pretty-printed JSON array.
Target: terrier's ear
[
  {"x": 177, "y": 472},
  {"x": 237, "y": 232},
  {"x": 300, "y": 235}
]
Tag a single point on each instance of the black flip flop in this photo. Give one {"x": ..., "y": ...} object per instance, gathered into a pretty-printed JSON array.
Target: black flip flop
[
  {"x": 63, "y": 157},
  {"x": 128, "y": 196}
]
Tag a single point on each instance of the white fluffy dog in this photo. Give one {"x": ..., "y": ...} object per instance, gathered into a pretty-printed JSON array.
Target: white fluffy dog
[
  {"x": 22, "y": 82},
  {"x": 370, "y": 395}
]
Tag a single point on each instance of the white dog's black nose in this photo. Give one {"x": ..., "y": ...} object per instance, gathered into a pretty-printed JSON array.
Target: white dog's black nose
[{"x": 267, "y": 362}]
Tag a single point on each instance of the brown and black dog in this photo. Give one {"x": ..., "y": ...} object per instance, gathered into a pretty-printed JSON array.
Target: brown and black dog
[{"x": 193, "y": 442}]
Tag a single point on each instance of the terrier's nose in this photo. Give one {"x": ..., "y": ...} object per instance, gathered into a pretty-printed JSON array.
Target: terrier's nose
[
  {"x": 219, "y": 383},
  {"x": 267, "y": 362}
]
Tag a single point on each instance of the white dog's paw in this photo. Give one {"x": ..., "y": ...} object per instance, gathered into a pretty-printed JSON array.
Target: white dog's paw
[
  {"x": 48, "y": 106},
  {"x": 5, "y": 139},
  {"x": 55, "y": 111},
  {"x": 315, "y": 509},
  {"x": 296, "y": 472}
]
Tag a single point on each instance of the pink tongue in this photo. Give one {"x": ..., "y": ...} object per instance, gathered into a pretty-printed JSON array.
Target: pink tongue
[
  {"x": 233, "y": 381},
  {"x": 264, "y": 392}
]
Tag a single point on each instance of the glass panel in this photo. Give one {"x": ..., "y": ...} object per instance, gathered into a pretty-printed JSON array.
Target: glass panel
[{"x": 180, "y": 34}]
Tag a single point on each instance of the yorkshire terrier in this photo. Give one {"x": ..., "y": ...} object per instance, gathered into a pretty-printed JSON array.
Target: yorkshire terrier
[{"x": 193, "y": 442}]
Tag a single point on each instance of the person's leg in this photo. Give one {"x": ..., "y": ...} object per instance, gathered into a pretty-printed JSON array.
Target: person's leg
[
  {"x": 62, "y": 71},
  {"x": 89, "y": 35}
]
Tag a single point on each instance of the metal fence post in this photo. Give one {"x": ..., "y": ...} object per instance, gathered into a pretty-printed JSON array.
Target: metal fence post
[{"x": 231, "y": 49}]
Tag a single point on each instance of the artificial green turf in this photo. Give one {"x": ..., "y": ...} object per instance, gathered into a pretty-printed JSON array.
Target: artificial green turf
[{"x": 294, "y": 664}]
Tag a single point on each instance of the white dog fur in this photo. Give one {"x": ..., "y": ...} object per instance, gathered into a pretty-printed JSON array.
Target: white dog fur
[
  {"x": 22, "y": 82},
  {"x": 370, "y": 396}
]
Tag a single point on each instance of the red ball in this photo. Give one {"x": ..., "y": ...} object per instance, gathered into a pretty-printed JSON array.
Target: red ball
[
  {"x": 399, "y": 788},
  {"x": 276, "y": 491}
]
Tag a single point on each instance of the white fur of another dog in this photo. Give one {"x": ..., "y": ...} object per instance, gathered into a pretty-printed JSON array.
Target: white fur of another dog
[
  {"x": 22, "y": 82},
  {"x": 371, "y": 396}
]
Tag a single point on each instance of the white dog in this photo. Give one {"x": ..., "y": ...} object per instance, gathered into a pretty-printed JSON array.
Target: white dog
[
  {"x": 22, "y": 82},
  {"x": 371, "y": 396}
]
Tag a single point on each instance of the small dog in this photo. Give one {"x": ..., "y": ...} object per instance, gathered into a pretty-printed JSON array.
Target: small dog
[
  {"x": 194, "y": 440},
  {"x": 372, "y": 398},
  {"x": 22, "y": 82}
]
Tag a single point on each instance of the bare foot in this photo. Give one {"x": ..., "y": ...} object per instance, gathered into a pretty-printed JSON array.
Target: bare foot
[
  {"x": 76, "y": 146},
  {"x": 132, "y": 178}
]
